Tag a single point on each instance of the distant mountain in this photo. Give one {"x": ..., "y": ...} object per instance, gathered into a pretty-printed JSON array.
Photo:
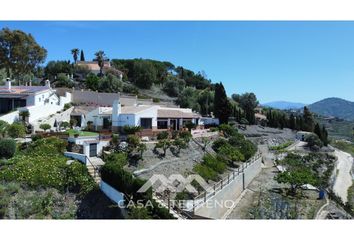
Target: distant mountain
[
  {"x": 335, "y": 107},
  {"x": 283, "y": 105}
]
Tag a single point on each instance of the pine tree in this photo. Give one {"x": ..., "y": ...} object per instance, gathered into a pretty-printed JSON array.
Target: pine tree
[
  {"x": 82, "y": 56},
  {"x": 222, "y": 106}
]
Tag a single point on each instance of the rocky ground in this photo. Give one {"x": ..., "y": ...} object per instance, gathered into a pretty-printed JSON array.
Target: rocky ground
[
  {"x": 332, "y": 211},
  {"x": 268, "y": 136},
  {"x": 183, "y": 163},
  {"x": 264, "y": 198}
]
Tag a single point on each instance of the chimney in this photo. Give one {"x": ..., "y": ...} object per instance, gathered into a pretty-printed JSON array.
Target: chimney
[
  {"x": 8, "y": 84},
  {"x": 116, "y": 110},
  {"x": 47, "y": 83}
]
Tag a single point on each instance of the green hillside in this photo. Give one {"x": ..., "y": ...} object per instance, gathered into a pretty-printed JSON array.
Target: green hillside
[{"x": 335, "y": 107}]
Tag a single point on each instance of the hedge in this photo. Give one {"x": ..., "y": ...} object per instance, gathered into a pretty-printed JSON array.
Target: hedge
[{"x": 7, "y": 148}]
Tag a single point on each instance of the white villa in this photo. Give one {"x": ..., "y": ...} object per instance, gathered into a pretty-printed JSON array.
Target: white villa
[
  {"x": 152, "y": 118},
  {"x": 39, "y": 101}
]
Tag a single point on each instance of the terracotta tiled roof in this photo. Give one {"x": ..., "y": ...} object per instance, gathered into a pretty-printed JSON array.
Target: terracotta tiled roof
[
  {"x": 134, "y": 109},
  {"x": 82, "y": 110},
  {"x": 169, "y": 113},
  {"x": 93, "y": 65},
  {"x": 22, "y": 89}
]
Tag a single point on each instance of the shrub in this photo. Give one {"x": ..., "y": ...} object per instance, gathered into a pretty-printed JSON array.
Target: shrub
[
  {"x": 179, "y": 143},
  {"x": 122, "y": 180},
  {"x": 36, "y": 137},
  {"x": 131, "y": 129},
  {"x": 187, "y": 136},
  {"x": 206, "y": 172},
  {"x": 3, "y": 128},
  {"x": 45, "y": 126},
  {"x": 228, "y": 130},
  {"x": 73, "y": 122},
  {"x": 7, "y": 148},
  {"x": 127, "y": 88},
  {"x": 141, "y": 148},
  {"x": 217, "y": 144},
  {"x": 174, "y": 134},
  {"x": 115, "y": 139},
  {"x": 236, "y": 140},
  {"x": 42, "y": 165},
  {"x": 162, "y": 135},
  {"x": 156, "y": 100},
  {"x": 231, "y": 153},
  {"x": 248, "y": 149},
  {"x": 217, "y": 164},
  {"x": 118, "y": 158},
  {"x": 189, "y": 125},
  {"x": 164, "y": 144},
  {"x": 65, "y": 124},
  {"x": 313, "y": 142},
  {"x": 133, "y": 141},
  {"x": 67, "y": 106},
  {"x": 16, "y": 130},
  {"x": 51, "y": 145}
]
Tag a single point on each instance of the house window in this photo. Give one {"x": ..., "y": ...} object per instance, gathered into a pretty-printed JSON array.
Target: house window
[
  {"x": 162, "y": 124},
  {"x": 146, "y": 123}
]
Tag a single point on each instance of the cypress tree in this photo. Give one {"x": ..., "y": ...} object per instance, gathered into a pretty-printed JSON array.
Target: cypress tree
[
  {"x": 308, "y": 120},
  {"x": 318, "y": 131},
  {"x": 82, "y": 56},
  {"x": 292, "y": 122},
  {"x": 324, "y": 136},
  {"x": 222, "y": 106}
]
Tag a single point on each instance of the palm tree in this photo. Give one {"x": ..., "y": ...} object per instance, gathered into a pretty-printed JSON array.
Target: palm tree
[
  {"x": 100, "y": 58},
  {"x": 75, "y": 53}
]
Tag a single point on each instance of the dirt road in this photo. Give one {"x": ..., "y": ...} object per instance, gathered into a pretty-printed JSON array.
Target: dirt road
[{"x": 343, "y": 179}]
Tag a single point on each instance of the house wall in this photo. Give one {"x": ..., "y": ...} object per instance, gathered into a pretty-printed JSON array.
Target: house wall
[
  {"x": 148, "y": 113},
  {"x": 112, "y": 193},
  {"x": 77, "y": 156},
  {"x": 10, "y": 117},
  {"x": 97, "y": 119},
  {"x": 100, "y": 146},
  {"x": 105, "y": 99},
  {"x": 42, "y": 110},
  {"x": 126, "y": 120}
]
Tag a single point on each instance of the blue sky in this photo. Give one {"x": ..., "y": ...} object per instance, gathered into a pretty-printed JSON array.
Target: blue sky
[{"x": 292, "y": 61}]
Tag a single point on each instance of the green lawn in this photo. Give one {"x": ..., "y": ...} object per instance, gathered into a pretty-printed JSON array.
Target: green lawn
[{"x": 72, "y": 132}]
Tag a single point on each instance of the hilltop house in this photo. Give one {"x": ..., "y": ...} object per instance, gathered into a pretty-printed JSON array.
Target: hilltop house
[
  {"x": 94, "y": 68},
  {"x": 39, "y": 101}
]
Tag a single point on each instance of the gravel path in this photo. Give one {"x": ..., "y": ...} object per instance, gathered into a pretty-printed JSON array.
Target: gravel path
[{"x": 343, "y": 178}]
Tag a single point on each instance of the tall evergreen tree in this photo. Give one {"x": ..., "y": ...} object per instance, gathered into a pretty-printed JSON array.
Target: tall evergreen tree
[
  {"x": 222, "y": 106},
  {"x": 318, "y": 131},
  {"x": 324, "y": 134},
  {"x": 292, "y": 122},
  {"x": 82, "y": 56},
  {"x": 309, "y": 121}
]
